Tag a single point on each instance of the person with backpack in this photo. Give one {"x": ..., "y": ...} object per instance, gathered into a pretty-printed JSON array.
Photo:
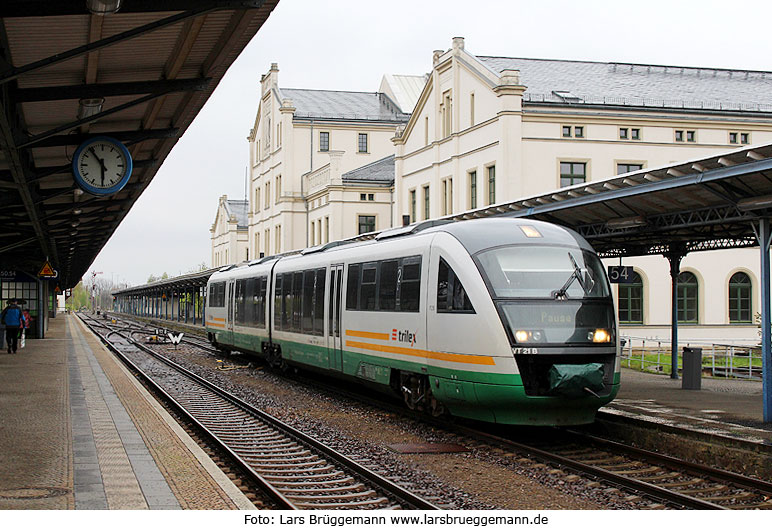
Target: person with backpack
[{"x": 13, "y": 319}]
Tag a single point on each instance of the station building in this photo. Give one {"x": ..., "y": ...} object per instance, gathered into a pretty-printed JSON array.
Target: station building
[
  {"x": 491, "y": 129},
  {"x": 302, "y": 150},
  {"x": 229, "y": 232}
]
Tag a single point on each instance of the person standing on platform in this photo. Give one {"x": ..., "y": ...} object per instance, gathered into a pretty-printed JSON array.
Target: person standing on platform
[
  {"x": 13, "y": 319},
  {"x": 26, "y": 319}
]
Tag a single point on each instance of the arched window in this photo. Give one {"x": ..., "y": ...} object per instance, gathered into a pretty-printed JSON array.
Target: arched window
[
  {"x": 631, "y": 300},
  {"x": 687, "y": 298},
  {"x": 740, "y": 298}
]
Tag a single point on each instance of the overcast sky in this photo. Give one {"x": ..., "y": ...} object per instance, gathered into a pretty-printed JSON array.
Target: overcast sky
[{"x": 350, "y": 44}]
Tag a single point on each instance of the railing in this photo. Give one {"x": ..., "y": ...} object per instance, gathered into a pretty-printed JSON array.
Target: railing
[
  {"x": 718, "y": 360},
  {"x": 647, "y": 102},
  {"x": 318, "y": 179}
]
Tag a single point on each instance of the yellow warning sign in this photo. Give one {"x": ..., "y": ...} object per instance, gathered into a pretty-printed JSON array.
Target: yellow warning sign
[{"x": 46, "y": 271}]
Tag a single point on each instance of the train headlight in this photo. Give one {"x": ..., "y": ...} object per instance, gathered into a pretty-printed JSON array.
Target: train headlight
[
  {"x": 528, "y": 336},
  {"x": 600, "y": 336}
]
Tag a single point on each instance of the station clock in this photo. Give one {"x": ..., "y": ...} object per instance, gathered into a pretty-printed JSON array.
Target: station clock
[{"x": 101, "y": 166}]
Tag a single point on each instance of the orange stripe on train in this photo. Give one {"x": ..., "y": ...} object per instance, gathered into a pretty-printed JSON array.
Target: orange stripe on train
[{"x": 483, "y": 360}]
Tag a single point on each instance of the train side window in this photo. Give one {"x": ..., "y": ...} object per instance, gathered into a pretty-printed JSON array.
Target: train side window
[
  {"x": 240, "y": 303},
  {"x": 387, "y": 285},
  {"x": 368, "y": 293},
  {"x": 262, "y": 320},
  {"x": 307, "y": 322},
  {"x": 297, "y": 299},
  {"x": 216, "y": 295},
  {"x": 451, "y": 296},
  {"x": 330, "y": 308},
  {"x": 278, "y": 300},
  {"x": 319, "y": 302},
  {"x": 352, "y": 287},
  {"x": 286, "y": 309},
  {"x": 410, "y": 285},
  {"x": 249, "y": 302}
]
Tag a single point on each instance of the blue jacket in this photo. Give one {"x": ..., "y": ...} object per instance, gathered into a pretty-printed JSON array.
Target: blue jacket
[{"x": 12, "y": 316}]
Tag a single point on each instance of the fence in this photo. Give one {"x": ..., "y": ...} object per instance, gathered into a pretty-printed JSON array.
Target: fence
[{"x": 718, "y": 360}]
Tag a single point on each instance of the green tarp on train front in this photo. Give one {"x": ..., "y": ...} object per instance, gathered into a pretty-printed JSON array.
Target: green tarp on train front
[{"x": 572, "y": 380}]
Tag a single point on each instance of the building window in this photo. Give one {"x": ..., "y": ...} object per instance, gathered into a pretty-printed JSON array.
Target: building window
[
  {"x": 623, "y": 133},
  {"x": 362, "y": 145},
  {"x": 491, "y": 185},
  {"x": 366, "y": 224},
  {"x": 736, "y": 137},
  {"x": 278, "y": 239},
  {"x": 426, "y": 130},
  {"x": 412, "y": 206},
  {"x": 623, "y": 168},
  {"x": 635, "y": 133},
  {"x": 363, "y": 197},
  {"x": 257, "y": 245},
  {"x": 324, "y": 141},
  {"x": 326, "y": 229},
  {"x": 426, "y": 202},
  {"x": 687, "y": 297},
  {"x": 447, "y": 196},
  {"x": 679, "y": 135},
  {"x": 267, "y": 241},
  {"x": 573, "y": 131},
  {"x": 267, "y": 195},
  {"x": 257, "y": 199},
  {"x": 690, "y": 136},
  {"x": 740, "y": 298},
  {"x": 473, "y": 189},
  {"x": 572, "y": 173},
  {"x": 278, "y": 188},
  {"x": 313, "y": 234},
  {"x": 685, "y": 135},
  {"x": 446, "y": 111},
  {"x": 631, "y": 300}
]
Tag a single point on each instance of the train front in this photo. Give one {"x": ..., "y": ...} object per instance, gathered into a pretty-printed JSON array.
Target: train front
[{"x": 553, "y": 298}]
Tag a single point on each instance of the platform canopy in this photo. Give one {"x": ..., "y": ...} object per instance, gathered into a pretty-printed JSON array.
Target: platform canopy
[{"x": 140, "y": 75}]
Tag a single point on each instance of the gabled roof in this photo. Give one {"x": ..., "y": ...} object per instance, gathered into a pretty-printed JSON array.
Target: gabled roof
[
  {"x": 403, "y": 89},
  {"x": 559, "y": 81},
  {"x": 377, "y": 172},
  {"x": 344, "y": 105},
  {"x": 238, "y": 208}
]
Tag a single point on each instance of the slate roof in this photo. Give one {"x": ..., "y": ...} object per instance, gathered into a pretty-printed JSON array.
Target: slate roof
[
  {"x": 238, "y": 208},
  {"x": 377, "y": 172},
  {"x": 639, "y": 85},
  {"x": 344, "y": 105}
]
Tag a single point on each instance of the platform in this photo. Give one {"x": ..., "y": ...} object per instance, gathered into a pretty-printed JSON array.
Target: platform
[
  {"x": 77, "y": 431},
  {"x": 724, "y": 407}
]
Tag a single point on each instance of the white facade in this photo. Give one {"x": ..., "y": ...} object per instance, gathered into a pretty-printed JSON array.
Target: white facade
[
  {"x": 480, "y": 135},
  {"x": 301, "y": 144},
  {"x": 229, "y": 233}
]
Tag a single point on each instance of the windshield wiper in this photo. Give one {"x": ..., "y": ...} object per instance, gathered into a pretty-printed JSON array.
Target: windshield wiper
[{"x": 587, "y": 284}]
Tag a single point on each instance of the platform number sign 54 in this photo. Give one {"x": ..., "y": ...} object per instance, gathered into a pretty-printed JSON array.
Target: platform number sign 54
[{"x": 620, "y": 274}]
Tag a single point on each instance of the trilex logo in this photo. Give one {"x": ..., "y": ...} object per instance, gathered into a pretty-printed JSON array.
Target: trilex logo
[{"x": 404, "y": 336}]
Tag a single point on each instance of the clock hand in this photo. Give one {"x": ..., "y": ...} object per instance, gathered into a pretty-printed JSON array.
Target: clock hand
[{"x": 102, "y": 167}]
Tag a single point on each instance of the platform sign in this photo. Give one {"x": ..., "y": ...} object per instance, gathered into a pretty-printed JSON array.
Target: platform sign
[{"x": 620, "y": 274}]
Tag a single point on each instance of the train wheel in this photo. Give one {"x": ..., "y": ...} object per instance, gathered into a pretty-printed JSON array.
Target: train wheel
[{"x": 414, "y": 391}]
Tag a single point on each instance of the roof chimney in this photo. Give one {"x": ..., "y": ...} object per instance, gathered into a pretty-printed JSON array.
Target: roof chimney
[
  {"x": 436, "y": 56},
  {"x": 458, "y": 43}
]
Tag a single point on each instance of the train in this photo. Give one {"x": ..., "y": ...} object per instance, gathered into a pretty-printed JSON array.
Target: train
[{"x": 501, "y": 320}]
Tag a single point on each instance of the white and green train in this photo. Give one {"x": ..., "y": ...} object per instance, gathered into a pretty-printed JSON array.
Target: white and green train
[{"x": 503, "y": 320}]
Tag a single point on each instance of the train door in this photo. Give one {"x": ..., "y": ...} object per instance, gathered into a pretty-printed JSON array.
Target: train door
[
  {"x": 229, "y": 303},
  {"x": 334, "y": 313}
]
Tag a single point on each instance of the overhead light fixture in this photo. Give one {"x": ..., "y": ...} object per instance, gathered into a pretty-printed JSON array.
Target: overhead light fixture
[
  {"x": 76, "y": 223},
  {"x": 89, "y": 107},
  {"x": 76, "y": 211},
  {"x": 103, "y": 7},
  {"x": 762, "y": 202},
  {"x": 627, "y": 223}
]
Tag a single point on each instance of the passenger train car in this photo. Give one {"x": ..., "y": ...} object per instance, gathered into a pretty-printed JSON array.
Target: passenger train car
[{"x": 499, "y": 319}]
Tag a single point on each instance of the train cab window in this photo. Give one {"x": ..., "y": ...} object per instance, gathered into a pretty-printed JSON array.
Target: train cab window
[
  {"x": 352, "y": 287},
  {"x": 387, "y": 285},
  {"x": 367, "y": 290},
  {"x": 410, "y": 284},
  {"x": 216, "y": 295},
  {"x": 451, "y": 296},
  {"x": 319, "y": 302}
]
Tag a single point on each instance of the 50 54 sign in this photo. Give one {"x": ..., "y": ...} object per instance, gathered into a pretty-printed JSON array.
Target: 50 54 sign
[{"x": 621, "y": 274}]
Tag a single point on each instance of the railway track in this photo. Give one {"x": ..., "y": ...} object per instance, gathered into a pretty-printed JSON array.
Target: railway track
[{"x": 293, "y": 469}]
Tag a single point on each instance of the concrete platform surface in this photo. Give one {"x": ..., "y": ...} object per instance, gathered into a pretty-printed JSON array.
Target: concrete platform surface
[
  {"x": 77, "y": 431},
  {"x": 727, "y": 407}
]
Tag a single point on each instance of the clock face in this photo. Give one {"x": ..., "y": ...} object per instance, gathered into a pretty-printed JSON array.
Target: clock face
[{"x": 102, "y": 165}]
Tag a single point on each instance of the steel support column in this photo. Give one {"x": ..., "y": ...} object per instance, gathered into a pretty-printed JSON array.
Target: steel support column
[
  {"x": 674, "y": 256},
  {"x": 766, "y": 328}
]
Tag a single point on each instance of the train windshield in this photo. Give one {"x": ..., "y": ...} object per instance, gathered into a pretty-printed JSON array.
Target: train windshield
[{"x": 544, "y": 272}]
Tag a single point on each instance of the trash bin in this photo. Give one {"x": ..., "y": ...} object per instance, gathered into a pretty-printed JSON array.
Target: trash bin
[{"x": 692, "y": 369}]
